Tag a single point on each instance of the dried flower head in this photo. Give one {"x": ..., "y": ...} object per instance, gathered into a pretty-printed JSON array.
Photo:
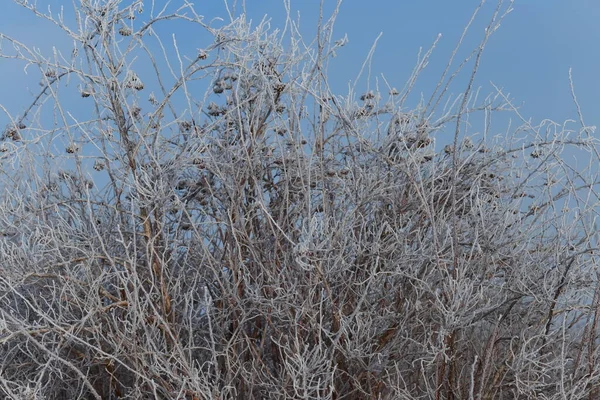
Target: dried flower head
[
  {"x": 219, "y": 87},
  {"x": 214, "y": 110},
  {"x": 12, "y": 132},
  {"x": 394, "y": 92},
  {"x": 98, "y": 165},
  {"x": 185, "y": 126},
  {"x": 132, "y": 81},
  {"x": 449, "y": 149},
  {"x": 202, "y": 54},
  {"x": 50, "y": 73},
  {"x": 367, "y": 96},
  {"x": 468, "y": 143},
  {"x": 536, "y": 154},
  {"x": 125, "y": 31},
  {"x": 136, "y": 112},
  {"x": 53, "y": 187},
  {"x": 72, "y": 148}
]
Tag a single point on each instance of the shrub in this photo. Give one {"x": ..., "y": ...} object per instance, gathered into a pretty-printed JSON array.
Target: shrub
[{"x": 243, "y": 232}]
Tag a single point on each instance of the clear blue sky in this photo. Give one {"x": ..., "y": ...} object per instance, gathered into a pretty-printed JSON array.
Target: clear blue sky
[{"x": 529, "y": 56}]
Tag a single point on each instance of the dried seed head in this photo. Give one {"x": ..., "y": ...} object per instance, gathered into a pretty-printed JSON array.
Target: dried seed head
[
  {"x": 536, "y": 154},
  {"x": 12, "y": 133},
  {"x": 152, "y": 99},
  {"x": 367, "y": 96},
  {"x": 98, "y": 165},
  {"x": 50, "y": 73},
  {"x": 64, "y": 175},
  {"x": 136, "y": 112},
  {"x": 468, "y": 143},
  {"x": 394, "y": 92},
  {"x": 185, "y": 126},
  {"x": 219, "y": 87},
  {"x": 449, "y": 149},
  {"x": 132, "y": 81},
  {"x": 214, "y": 110},
  {"x": 72, "y": 148},
  {"x": 427, "y": 157},
  {"x": 125, "y": 31},
  {"x": 202, "y": 54},
  {"x": 85, "y": 93},
  {"x": 279, "y": 108}
]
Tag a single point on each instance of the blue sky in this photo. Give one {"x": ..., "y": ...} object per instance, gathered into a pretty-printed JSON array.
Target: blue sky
[{"x": 529, "y": 57}]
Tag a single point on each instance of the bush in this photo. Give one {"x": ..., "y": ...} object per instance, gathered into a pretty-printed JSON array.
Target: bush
[{"x": 243, "y": 232}]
